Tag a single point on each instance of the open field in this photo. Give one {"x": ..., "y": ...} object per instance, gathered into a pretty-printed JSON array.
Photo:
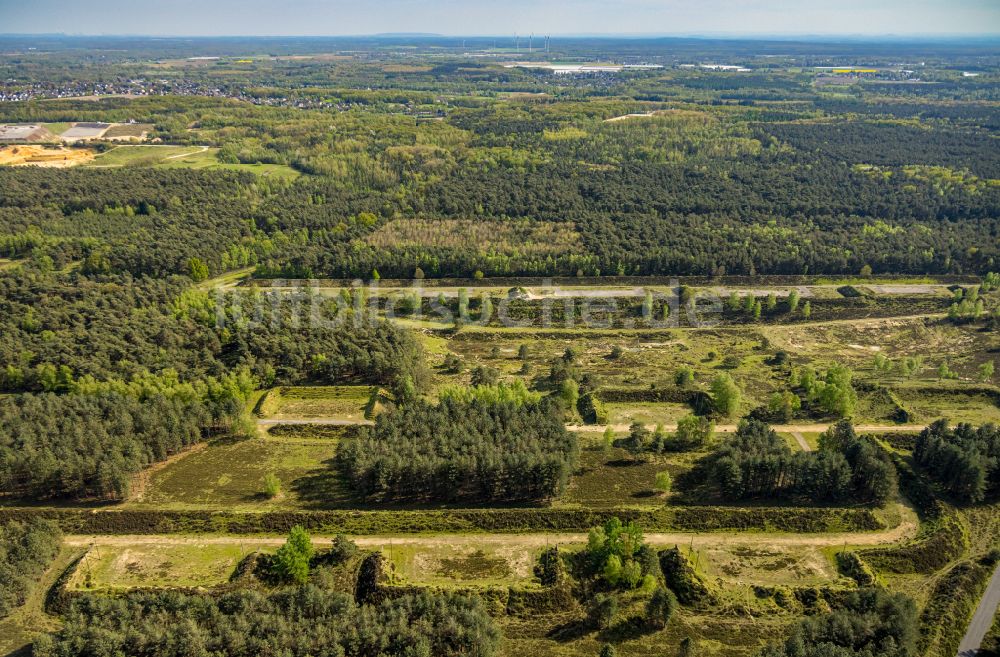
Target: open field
[
  {"x": 231, "y": 475},
  {"x": 184, "y": 157},
  {"x": 611, "y": 478},
  {"x": 648, "y": 413},
  {"x": 146, "y": 155},
  {"x": 154, "y": 565},
  {"x": 331, "y": 402}
]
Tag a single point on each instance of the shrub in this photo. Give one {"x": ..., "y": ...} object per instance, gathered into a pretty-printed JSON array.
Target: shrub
[
  {"x": 660, "y": 607},
  {"x": 602, "y": 611},
  {"x": 272, "y": 485},
  {"x": 342, "y": 549}
]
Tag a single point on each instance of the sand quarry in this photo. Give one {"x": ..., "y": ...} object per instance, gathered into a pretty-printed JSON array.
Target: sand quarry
[{"x": 44, "y": 156}]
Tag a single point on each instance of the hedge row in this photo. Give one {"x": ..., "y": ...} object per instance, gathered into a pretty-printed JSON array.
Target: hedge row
[
  {"x": 626, "y": 395},
  {"x": 571, "y": 281},
  {"x": 946, "y": 615},
  {"x": 778, "y": 519},
  {"x": 850, "y": 564},
  {"x": 128, "y": 521}
]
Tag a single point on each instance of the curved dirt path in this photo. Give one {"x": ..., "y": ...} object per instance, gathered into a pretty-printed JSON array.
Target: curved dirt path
[{"x": 198, "y": 152}]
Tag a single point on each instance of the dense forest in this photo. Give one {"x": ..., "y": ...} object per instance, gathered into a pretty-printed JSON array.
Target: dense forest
[
  {"x": 871, "y": 623},
  {"x": 554, "y": 188},
  {"x": 964, "y": 460},
  {"x": 90, "y": 445},
  {"x": 60, "y": 331},
  {"x": 26, "y": 549},
  {"x": 476, "y": 450},
  {"x": 758, "y": 463},
  {"x": 300, "y": 622}
]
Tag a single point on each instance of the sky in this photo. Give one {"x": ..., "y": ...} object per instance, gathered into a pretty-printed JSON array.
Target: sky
[{"x": 501, "y": 17}]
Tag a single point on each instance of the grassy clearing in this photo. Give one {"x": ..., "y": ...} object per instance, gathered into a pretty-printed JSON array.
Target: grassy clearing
[
  {"x": 767, "y": 565},
  {"x": 464, "y": 563},
  {"x": 646, "y": 412},
  {"x": 185, "y": 157},
  {"x": 226, "y": 280},
  {"x": 610, "y": 477},
  {"x": 341, "y": 402},
  {"x": 127, "y": 130},
  {"x": 121, "y": 156},
  {"x": 648, "y": 359},
  {"x": 57, "y": 128},
  {"x": 156, "y": 565},
  {"x": 231, "y": 475},
  {"x": 973, "y": 408}
]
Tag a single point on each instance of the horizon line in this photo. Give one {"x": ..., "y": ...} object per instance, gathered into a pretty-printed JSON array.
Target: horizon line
[{"x": 566, "y": 35}]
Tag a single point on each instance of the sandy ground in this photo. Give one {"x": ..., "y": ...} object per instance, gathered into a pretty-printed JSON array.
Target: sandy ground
[
  {"x": 907, "y": 289},
  {"x": 44, "y": 157}
]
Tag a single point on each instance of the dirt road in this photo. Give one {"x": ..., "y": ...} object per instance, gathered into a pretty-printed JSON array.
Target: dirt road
[
  {"x": 905, "y": 529},
  {"x": 780, "y": 428},
  {"x": 322, "y": 421},
  {"x": 801, "y": 440}
]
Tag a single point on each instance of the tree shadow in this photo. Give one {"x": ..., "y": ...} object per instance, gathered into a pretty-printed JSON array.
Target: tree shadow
[
  {"x": 324, "y": 488},
  {"x": 570, "y": 631},
  {"x": 629, "y": 629}
]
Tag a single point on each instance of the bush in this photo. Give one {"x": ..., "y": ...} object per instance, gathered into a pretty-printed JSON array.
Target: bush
[
  {"x": 602, "y": 611},
  {"x": 851, "y": 565},
  {"x": 272, "y": 485},
  {"x": 682, "y": 579},
  {"x": 342, "y": 549},
  {"x": 660, "y": 607}
]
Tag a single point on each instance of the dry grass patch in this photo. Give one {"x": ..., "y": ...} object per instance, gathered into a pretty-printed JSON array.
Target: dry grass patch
[{"x": 522, "y": 235}]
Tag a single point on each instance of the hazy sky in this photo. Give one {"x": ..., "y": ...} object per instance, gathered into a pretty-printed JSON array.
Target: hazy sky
[{"x": 499, "y": 17}]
